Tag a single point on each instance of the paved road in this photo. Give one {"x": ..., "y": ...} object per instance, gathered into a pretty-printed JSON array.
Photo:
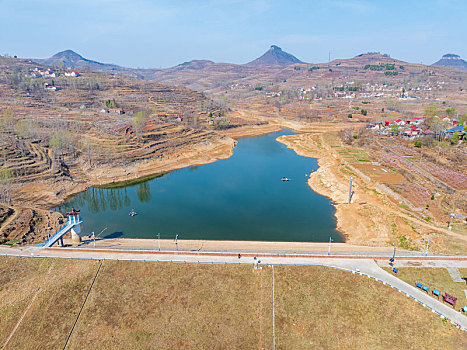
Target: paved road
[{"x": 356, "y": 264}]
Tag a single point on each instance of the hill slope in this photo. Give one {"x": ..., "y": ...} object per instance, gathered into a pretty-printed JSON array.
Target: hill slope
[
  {"x": 69, "y": 58},
  {"x": 452, "y": 61}
]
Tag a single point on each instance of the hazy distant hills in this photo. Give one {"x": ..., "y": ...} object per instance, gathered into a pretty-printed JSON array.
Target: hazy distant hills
[
  {"x": 275, "y": 57},
  {"x": 452, "y": 61},
  {"x": 71, "y": 59},
  {"x": 274, "y": 67},
  {"x": 198, "y": 74}
]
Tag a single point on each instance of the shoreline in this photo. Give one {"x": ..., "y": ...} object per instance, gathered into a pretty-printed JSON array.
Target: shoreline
[
  {"x": 351, "y": 219},
  {"x": 314, "y": 177},
  {"x": 41, "y": 194}
]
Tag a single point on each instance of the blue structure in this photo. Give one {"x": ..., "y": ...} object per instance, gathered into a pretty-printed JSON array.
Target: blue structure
[
  {"x": 458, "y": 128},
  {"x": 72, "y": 224}
]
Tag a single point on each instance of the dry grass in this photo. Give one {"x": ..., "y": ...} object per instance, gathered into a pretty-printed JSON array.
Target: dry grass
[
  {"x": 140, "y": 305},
  {"x": 50, "y": 318},
  {"x": 438, "y": 278},
  {"x": 322, "y": 308},
  {"x": 151, "y": 305},
  {"x": 19, "y": 278}
]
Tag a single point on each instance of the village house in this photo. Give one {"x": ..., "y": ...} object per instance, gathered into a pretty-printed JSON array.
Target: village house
[
  {"x": 49, "y": 74},
  {"x": 399, "y": 122},
  {"x": 411, "y": 131},
  {"x": 72, "y": 74},
  {"x": 116, "y": 110},
  {"x": 49, "y": 87}
]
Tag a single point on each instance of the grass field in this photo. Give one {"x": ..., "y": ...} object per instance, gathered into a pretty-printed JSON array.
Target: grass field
[
  {"x": 438, "y": 278},
  {"x": 142, "y": 305}
]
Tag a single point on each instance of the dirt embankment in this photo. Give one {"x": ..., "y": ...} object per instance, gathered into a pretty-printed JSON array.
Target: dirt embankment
[
  {"x": 26, "y": 225},
  {"x": 372, "y": 218},
  {"x": 34, "y": 224}
]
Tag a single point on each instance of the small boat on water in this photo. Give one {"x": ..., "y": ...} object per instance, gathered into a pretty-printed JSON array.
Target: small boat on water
[
  {"x": 286, "y": 179},
  {"x": 132, "y": 213}
]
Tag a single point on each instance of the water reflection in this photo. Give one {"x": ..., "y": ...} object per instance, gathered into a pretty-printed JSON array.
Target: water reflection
[
  {"x": 144, "y": 192},
  {"x": 98, "y": 200}
]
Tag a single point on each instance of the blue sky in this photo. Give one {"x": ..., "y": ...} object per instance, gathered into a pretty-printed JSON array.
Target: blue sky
[{"x": 144, "y": 33}]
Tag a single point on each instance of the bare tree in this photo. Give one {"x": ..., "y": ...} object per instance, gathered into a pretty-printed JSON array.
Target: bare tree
[
  {"x": 346, "y": 136},
  {"x": 6, "y": 178},
  {"x": 138, "y": 124}
]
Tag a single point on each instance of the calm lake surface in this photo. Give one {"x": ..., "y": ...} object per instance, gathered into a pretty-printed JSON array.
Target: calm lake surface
[{"x": 240, "y": 198}]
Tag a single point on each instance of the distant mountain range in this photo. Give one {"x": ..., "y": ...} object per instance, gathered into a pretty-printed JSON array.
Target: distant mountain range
[
  {"x": 274, "y": 65},
  {"x": 68, "y": 58},
  {"x": 452, "y": 61}
]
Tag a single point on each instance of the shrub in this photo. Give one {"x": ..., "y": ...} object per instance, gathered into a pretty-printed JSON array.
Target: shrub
[
  {"x": 111, "y": 103},
  {"x": 455, "y": 138},
  {"x": 417, "y": 143}
]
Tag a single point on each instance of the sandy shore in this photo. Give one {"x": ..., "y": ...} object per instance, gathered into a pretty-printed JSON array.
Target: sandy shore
[{"x": 251, "y": 131}]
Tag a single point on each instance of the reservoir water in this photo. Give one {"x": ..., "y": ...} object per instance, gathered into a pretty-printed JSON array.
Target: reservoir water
[{"x": 240, "y": 198}]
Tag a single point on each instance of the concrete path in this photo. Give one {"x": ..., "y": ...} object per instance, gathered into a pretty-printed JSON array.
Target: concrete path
[
  {"x": 455, "y": 275},
  {"x": 362, "y": 265}
]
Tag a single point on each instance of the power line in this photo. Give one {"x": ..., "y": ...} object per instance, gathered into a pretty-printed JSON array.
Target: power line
[
  {"x": 273, "y": 316},
  {"x": 82, "y": 306}
]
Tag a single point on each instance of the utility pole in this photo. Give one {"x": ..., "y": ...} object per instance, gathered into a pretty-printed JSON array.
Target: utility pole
[
  {"x": 350, "y": 189},
  {"x": 176, "y": 241},
  {"x": 94, "y": 236},
  {"x": 392, "y": 260},
  {"x": 159, "y": 240},
  {"x": 427, "y": 244},
  {"x": 450, "y": 221},
  {"x": 329, "y": 248}
]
